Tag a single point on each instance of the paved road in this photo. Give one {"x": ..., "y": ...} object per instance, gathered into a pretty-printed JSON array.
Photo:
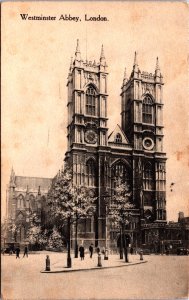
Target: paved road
[{"x": 162, "y": 277}]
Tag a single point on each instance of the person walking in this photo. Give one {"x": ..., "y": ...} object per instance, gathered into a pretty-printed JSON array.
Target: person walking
[
  {"x": 25, "y": 251},
  {"x": 91, "y": 250},
  {"x": 98, "y": 250},
  {"x": 82, "y": 252},
  {"x": 17, "y": 252}
]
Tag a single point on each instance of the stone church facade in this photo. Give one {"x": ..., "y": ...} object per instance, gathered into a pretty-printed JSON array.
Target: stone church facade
[
  {"x": 133, "y": 151},
  {"x": 26, "y": 196}
]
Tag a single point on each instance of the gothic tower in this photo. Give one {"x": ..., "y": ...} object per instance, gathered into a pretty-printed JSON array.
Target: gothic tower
[
  {"x": 142, "y": 122},
  {"x": 87, "y": 131}
]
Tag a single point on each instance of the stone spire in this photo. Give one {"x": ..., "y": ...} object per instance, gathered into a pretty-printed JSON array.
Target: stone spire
[
  {"x": 135, "y": 65},
  {"x": 135, "y": 59},
  {"x": 12, "y": 178},
  {"x": 102, "y": 57},
  {"x": 77, "y": 52},
  {"x": 157, "y": 70},
  {"x": 125, "y": 77},
  {"x": 157, "y": 64}
]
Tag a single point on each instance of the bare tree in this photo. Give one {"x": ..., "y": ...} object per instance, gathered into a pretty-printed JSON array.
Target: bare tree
[
  {"x": 67, "y": 204},
  {"x": 119, "y": 212}
]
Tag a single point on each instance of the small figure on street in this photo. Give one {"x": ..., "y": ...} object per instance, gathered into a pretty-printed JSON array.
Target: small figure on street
[
  {"x": 131, "y": 250},
  {"x": 91, "y": 250},
  {"x": 25, "y": 251},
  {"x": 17, "y": 252},
  {"x": 103, "y": 250},
  {"x": 82, "y": 252},
  {"x": 98, "y": 250}
]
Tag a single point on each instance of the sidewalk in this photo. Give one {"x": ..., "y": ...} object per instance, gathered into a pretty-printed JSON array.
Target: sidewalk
[{"x": 91, "y": 263}]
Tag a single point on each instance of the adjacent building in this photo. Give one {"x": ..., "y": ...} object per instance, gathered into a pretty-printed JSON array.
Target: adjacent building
[{"x": 25, "y": 196}]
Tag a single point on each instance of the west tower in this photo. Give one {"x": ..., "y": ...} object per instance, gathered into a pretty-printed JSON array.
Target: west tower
[
  {"x": 87, "y": 132},
  {"x": 142, "y": 122}
]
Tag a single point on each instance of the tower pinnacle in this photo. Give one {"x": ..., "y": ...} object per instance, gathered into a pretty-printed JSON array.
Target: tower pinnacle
[
  {"x": 12, "y": 178},
  {"x": 77, "y": 52},
  {"x": 102, "y": 56},
  {"x": 135, "y": 65},
  {"x": 125, "y": 76},
  {"x": 157, "y": 64},
  {"x": 157, "y": 70},
  {"x": 135, "y": 59},
  {"x": 102, "y": 52}
]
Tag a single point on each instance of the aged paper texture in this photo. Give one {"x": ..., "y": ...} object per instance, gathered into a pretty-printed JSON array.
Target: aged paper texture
[{"x": 38, "y": 41}]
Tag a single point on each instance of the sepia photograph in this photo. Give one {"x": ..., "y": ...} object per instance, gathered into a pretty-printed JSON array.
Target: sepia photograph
[{"x": 94, "y": 150}]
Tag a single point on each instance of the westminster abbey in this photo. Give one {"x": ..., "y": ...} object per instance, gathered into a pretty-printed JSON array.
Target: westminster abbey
[{"x": 133, "y": 151}]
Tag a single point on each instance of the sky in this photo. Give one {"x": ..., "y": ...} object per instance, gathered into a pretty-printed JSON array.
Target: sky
[{"x": 35, "y": 63}]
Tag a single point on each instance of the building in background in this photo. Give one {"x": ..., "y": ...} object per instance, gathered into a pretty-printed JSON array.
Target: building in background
[{"x": 25, "y": 196}]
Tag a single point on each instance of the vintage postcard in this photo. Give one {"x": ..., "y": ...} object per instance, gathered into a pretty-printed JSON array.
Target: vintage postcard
[{"x": 94, "y": 136}]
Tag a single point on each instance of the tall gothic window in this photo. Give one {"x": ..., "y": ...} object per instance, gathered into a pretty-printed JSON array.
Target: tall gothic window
[
  {"x": 90, "y": 173},
  {"x": 147, "y": 110},
  {"x": 148, "y": 177},
  {"x": 20, "y": 202},
  {"x": 90, "y": 101},
  {"x": 120, "y": 171}
]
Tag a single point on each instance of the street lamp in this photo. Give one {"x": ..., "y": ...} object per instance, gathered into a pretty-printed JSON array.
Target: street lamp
[
  {"x": 121, "y": 234},
  {"x": 69, "y": 260},
  {"x": 106, "y": 196},
  {"x": 76, "y": 244}
]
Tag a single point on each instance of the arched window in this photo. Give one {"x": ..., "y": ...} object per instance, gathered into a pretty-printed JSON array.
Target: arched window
[
  {"x": 90, "y": 101},
  {"x": 20, "y": 202},
  {"x": 32, "y": 202},
  {"x": 147, "y": 110},
  {"x": 120, "y": 172},
  {"x": 148, "y": 177},
  {"x": 90, "y": 173},
  {"x": 118, "y": 138}
]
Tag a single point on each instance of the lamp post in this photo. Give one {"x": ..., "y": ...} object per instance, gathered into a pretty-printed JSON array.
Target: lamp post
[
  {"x": 121, "y": 242},
  {"x": 69, "y": 261},
  {"x": 121, "y": 234},
  {"x": 106, "y": 196},
  {"x": 76, "y": 244}
]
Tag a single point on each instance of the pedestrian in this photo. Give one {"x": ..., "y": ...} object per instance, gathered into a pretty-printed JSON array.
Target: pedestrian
[
  {"x": 82, "y": 252},
  {"x": 17, "y": 252},
  {"x": 98, "y": 250},
  {"x": 25, "y": 251},
  {"x": 91, "y": 250},
  {"x": 131, "y": 250}
]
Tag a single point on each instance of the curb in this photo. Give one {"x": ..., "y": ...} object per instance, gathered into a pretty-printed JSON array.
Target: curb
[{"x": 95, "y": 268}]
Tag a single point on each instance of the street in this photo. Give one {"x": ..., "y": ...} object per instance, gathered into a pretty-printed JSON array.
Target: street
[{"x": 162, "y": 277}]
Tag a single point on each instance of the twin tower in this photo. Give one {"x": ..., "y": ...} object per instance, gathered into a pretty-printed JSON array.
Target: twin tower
[{"x": 133, "y": 151}]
